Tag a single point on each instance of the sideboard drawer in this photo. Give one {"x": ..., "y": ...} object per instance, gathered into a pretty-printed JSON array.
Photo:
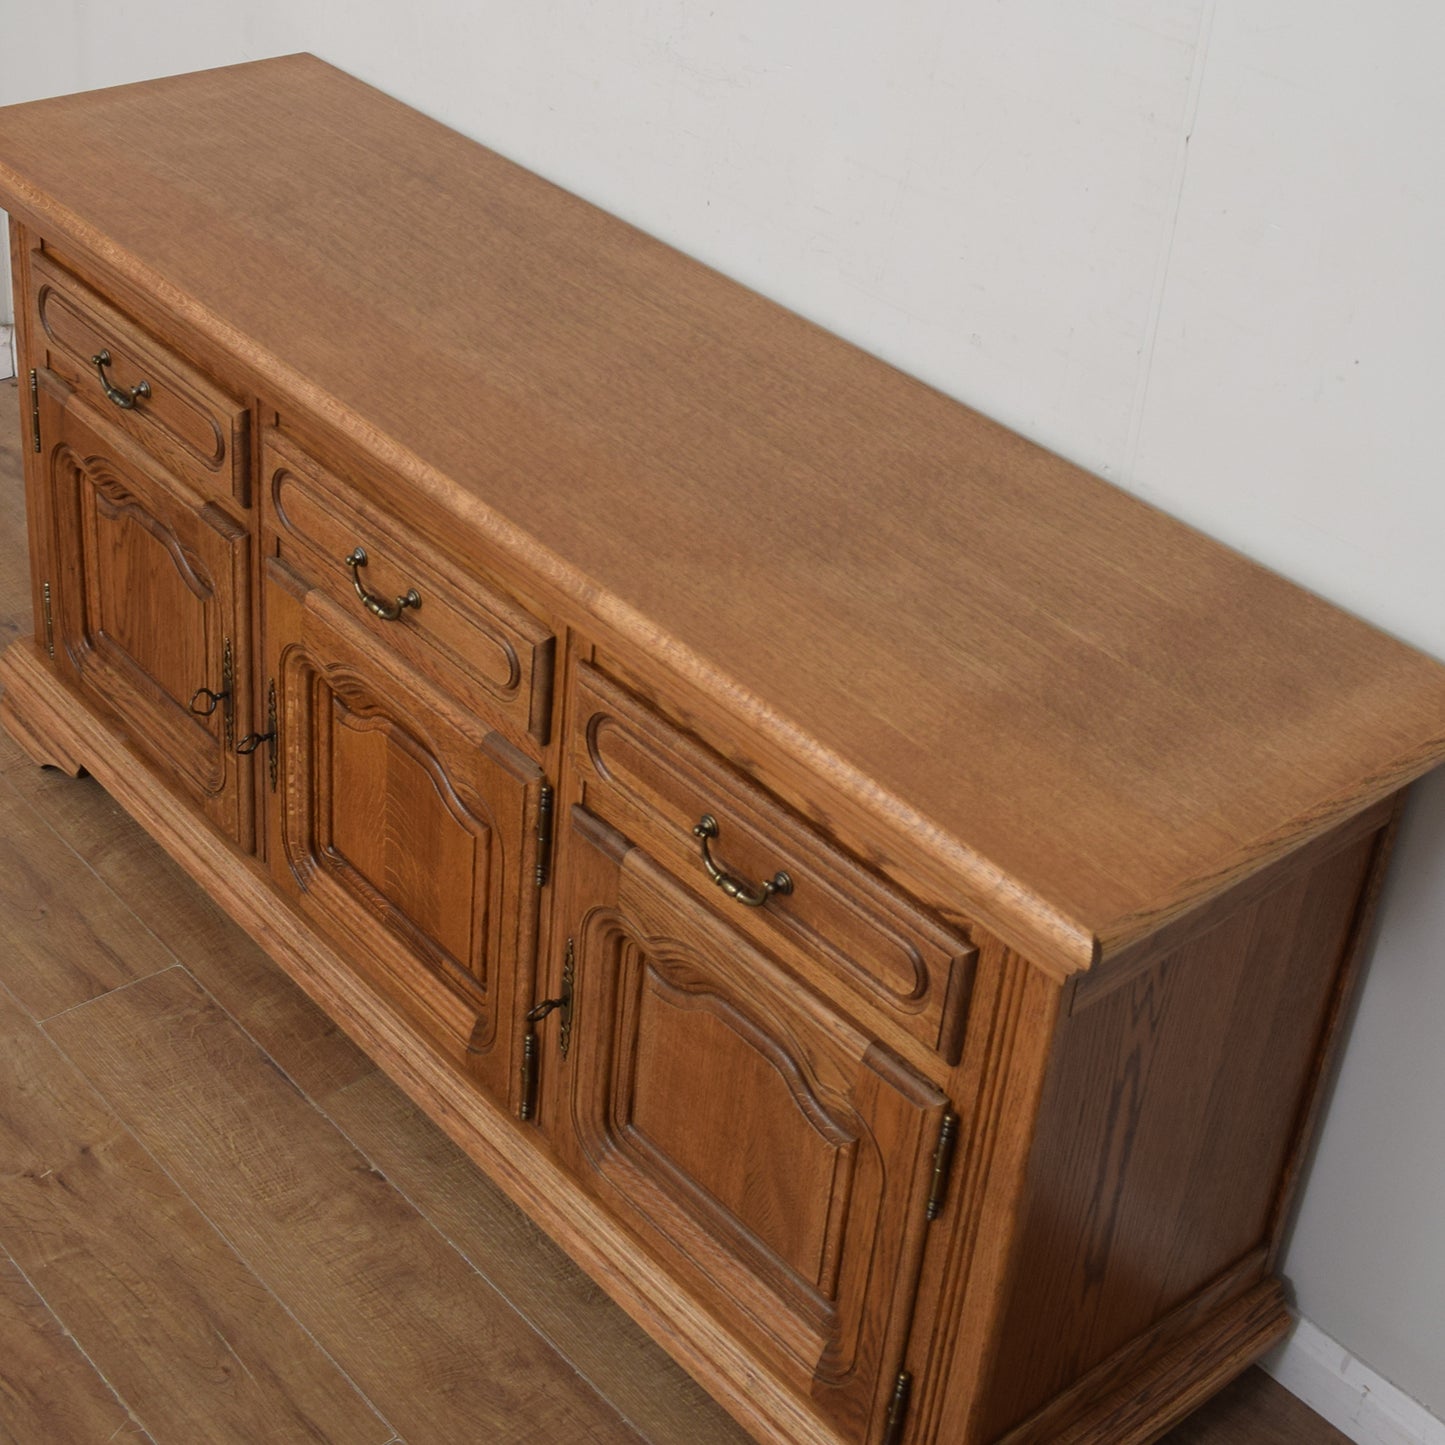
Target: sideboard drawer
[
  {"x": 466, "y": 636},
  {"x": 176, "y": 413},
  {"x": 850, "y": 934}
]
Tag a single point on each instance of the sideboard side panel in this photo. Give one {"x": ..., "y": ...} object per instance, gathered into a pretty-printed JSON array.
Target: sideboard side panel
[{"x": 1171, "y": 1117}]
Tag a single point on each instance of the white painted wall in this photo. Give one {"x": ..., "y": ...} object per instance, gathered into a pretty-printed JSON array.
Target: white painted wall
[{"x": 1194, "y": 244}]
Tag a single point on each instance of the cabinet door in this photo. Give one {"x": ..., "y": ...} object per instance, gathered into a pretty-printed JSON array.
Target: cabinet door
[
  {"x": 150, "y": 604},
  {"x": 405, "y": 829},
  {"x": 774, "y": 1156}
]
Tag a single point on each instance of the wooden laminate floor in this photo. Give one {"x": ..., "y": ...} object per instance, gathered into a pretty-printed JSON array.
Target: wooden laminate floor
[{"x": 220, "y": 1223}]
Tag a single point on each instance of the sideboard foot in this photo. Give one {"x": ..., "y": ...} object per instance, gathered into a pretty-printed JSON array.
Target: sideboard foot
[{"x": 28, "y": 714}]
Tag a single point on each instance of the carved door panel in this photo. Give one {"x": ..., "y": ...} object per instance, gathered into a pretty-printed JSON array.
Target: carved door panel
[
  {"x": 405, "y": 829},
  {"x": 773, "y": 1155},
  {"x": 150, "y": 604}
]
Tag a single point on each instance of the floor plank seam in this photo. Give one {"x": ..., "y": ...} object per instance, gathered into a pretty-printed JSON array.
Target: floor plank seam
[
  {"x": 132, "y": 1414},
  {"x": 41, "y": 1023}
]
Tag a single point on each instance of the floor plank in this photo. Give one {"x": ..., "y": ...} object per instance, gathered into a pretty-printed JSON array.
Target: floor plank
[
  {"x": 48, "y": 1389},
  {"x": 68, "y": 936},
  {"x": 442, "y": 1355},
  {"x": 661, "y": 1401},
  {"x": 314, "y": 1053},
  {"x": 1255, "y": 1410},
  {"x": 189, "y": 1338}
]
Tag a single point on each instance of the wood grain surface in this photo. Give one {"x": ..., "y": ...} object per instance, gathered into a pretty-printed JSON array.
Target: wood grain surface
[
  {"x": 559, "y": 1301},
  {"x": 47, "y": 1373},
  {"x": 865, "y": 575},
  {"x": 188, "y": 1150},
  {"x": 170, "y": 911},
  {"x": 530, "y": 1177}
]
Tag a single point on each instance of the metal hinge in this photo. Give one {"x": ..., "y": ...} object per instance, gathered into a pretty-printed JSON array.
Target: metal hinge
[
  {"x": 271, "y": 728},
  {"x": 942, "y": 1163},
  {"x": 898, "y": 1409},
  {"x": 228, "y": 686},
  {"x": 544, "y": 835},
  {"x": 49, "y": 615},
  {"x": 530, "y": 1046},
  {"x": 35, "y": 407},
  {"x": 528, "y": 1108}
]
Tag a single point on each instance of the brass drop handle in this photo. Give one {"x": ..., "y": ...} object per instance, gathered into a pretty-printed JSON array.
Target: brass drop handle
[
  {"x": 745, "y": 893},
  {"x": 125, "y": 400},
  {"x": 388, "y": 612},
  {"x": 212, "y": 701}
]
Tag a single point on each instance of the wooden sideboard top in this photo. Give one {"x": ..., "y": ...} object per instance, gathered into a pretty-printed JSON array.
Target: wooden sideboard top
[{"x": 1091, "y": 712}]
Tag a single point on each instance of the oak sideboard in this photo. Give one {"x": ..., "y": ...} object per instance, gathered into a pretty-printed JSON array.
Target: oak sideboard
[{"x": 883, "y": 899}]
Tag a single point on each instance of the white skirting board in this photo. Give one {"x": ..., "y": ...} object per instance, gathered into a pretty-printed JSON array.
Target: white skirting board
[
  {"x": 1348, "y": 1393},
  {"x": 7, "y": 352}
]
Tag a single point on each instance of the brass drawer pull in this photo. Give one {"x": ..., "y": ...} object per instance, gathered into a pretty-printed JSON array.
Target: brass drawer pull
[
  {"x": 126, "y": 400},
  {"x": 744, "y": 892},
  {"x": 388, "y": 612}
]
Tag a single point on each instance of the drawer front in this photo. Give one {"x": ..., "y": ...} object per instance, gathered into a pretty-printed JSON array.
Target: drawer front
[
  {"x": 177, "y": 414},
  {"x": 464, "y": 635},
  {"x": 847, "y": 932}
]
